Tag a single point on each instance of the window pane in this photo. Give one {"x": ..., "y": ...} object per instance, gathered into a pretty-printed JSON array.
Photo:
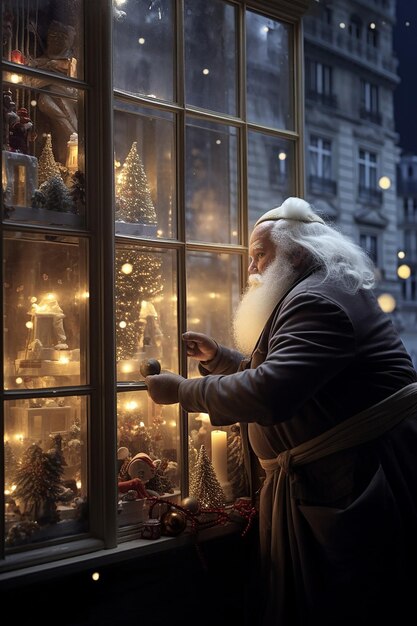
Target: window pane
[
  {"x": 45, "y": 34},
  {"x": 210, "y": 55},
  {"x": 211, "y": 182},
  {"x": 213, "y": 291},
  {"x": 146, "y": 309},
  {"x": 45, "y": 466},
  {"x": 143, "y": 51},
  {"x": 269, "y": 76},
  {"x": 45, "y": 311},
  {"x": 144, "y": 172},
  {"x": 271, "y": 175},
  {"x": 43, "y": 155},
  {"x": 148, "y": 448}
]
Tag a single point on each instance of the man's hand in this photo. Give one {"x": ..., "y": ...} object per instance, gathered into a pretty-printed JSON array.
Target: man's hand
[
  {"x": 163, "y": 388},
  {"x": 199, "y": 346}
]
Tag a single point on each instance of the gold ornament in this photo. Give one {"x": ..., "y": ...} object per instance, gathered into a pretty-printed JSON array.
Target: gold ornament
[
  {"x": 173, "y": 522},
  {"x": 190, "y": 504}
]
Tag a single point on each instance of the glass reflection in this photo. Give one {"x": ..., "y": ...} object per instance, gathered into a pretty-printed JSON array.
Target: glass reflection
[
  {"x": 212, "y": 182},
  {"x": 45, "y": 464},
  {"x": 143, "y": 51},
  {"x": 45, "y": 34},
  {"x": 271, "y": 175},
  {"x": 144, "y": 172},
  {"x": 213, "y": 282},
  {"x": 269, "y": 76},
  {"x": 210, "y": 55},
  {"x": 45, "y": 311}
]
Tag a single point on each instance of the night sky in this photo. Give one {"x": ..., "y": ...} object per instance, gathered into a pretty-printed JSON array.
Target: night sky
[{"x": 405, "y": 97}]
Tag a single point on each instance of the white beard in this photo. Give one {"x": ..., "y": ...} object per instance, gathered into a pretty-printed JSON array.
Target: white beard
[{"x": 259, "y": 300}]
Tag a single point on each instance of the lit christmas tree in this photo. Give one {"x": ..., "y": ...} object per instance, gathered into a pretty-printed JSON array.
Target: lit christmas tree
[
  {"x": 133, "y": 199},
  {"x": 47, "y": 166},
  {"x": 204, "y": 484},
  {"x": 138, "y": 278}
]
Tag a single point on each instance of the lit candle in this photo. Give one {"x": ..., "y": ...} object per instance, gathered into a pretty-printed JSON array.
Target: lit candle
[{"x": 219, "y": 454}]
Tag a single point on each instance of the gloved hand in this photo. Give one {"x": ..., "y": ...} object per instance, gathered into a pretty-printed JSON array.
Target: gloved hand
[
  {"x": 163, "y": 388},
  {"x": 199, "y": 346}
]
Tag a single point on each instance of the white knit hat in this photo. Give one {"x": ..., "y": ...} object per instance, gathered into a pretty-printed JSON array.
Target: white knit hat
[{"x": 291, "y": 209}]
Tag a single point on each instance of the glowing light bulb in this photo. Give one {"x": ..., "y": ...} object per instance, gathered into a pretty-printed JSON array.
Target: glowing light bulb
[
  {"x": 384, "y": 182},
  {"x": 122, "y": 324},
  {"x": 127, "y": 268},
  {"x": 404, "y": 271},
  {"x": 387, "y": 302}
]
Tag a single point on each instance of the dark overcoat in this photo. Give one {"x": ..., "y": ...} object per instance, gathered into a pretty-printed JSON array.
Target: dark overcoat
[{"x": 324, "y": 356}]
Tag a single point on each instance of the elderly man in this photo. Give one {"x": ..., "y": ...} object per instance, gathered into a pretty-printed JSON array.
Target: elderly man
[{"x": 327, "y": 397}]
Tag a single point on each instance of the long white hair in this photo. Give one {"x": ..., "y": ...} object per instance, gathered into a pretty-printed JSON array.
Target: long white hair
[{"x": 342, "y": 260}]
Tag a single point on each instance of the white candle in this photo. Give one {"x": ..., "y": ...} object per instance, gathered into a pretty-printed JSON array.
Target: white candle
[{"x": 219, "y": 454}]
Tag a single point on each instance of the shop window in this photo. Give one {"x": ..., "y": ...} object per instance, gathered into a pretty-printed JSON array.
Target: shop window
[{"x": 110, "y": 254}]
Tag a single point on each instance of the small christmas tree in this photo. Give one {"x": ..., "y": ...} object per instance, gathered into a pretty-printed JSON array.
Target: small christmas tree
[
  {"x": 133, "y": 199},
  {"x": 235, "y": 463},
  {"x": 204, "y": 484},
  {"x": 39, "y": 485},
  {"x": 47, "y": 166},
  {"x": 54, "y": 196}
]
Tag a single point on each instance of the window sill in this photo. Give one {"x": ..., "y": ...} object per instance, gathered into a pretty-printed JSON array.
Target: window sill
[{"x": 92, "y": 555}]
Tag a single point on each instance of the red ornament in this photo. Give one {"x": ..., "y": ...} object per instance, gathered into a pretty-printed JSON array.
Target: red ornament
[{"x": 17, "y": 57}]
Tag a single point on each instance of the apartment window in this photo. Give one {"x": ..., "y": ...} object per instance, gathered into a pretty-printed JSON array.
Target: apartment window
[
  {"x": 320, "y": 78},
  {"x": 369, "y": 102},
  {"x": 320, "y": 157},
  {"x": 369, "y": 243},
  {"x": 355, "y": 27},
  {"x": 125, "y": 196},
  {"x": 369, "y": 97},
  {"x": 372, "y": 38},
  {"x": 368, "y": 163}
]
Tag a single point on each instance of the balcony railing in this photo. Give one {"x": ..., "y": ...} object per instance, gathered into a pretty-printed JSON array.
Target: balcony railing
[
  {"x": 328, "y": 100},
  {"x": 371, "y": 116},
  {"x": 370, "y": 195},
  {"x": 317, "y": 184}
]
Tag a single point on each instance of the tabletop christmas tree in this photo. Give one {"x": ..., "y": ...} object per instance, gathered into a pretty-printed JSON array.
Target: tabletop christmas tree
[
  {"x": 133, "y": 199},
  {"x": 204, "y": 484},
  {"x": 39, "y": 485},
  {"x": 47, "y": 166}
]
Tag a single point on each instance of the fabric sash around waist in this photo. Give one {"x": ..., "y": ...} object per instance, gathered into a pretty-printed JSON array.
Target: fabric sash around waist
[{"x": 360, "y": 428}]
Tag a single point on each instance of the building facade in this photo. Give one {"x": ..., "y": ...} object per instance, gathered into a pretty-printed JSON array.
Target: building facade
[{"x": 350, "y": 140}]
